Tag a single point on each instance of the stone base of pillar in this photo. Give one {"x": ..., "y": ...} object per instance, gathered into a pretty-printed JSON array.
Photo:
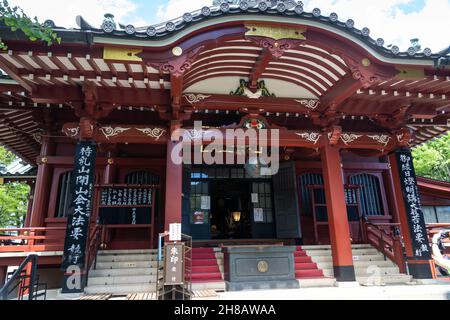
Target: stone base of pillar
[
  {"x": 420, "y": 269},
  {"x": 344, "y": 273}
]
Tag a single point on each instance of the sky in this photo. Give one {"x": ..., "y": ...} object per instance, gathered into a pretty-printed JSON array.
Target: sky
[{"x": 397, "y": 21}]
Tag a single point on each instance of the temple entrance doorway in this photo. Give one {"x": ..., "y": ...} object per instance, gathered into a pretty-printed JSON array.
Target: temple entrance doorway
[
  {"x": 231, "y": 210},
  {"x": 231, "y": 202}
]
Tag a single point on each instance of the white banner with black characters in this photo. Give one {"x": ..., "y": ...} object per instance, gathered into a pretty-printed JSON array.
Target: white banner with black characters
[
  {"x": 74, "y": 255},
  {"x": 411, "y": 198}
]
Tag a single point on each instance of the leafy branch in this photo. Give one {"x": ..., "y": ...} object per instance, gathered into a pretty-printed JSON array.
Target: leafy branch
[{"x": 16, "y": 19}]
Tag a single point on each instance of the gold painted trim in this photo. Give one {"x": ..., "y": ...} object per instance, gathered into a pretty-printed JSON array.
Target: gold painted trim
[
  {"x": 122, "y": 54},
  {"x": 275, "y": 33}
]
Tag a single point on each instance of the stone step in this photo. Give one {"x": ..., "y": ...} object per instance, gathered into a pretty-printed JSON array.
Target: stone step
[
  {"x": 216, "y": 286},
  {"x": 121, "y": 288},
  {"x": 385, "y": 279},
  {"x": 359, "y": 264},
  {"x": 364, "y": 271},
  {"x": 139, "y": 251},
  {"x": 127, "y": 257},
  {"x": 122, "y": 272},
  {"x": 374, "y": 257},
  {"x": 140, "y": 279},
  {"x": 127, "y": 265},
  {"x": 328, "y": 247},
  {"x": 356, "y": 252},
  {"x": 316, "y": 283}
]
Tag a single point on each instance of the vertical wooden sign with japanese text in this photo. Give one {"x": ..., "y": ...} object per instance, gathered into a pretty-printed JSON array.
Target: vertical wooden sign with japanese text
[
  {"x": 74, "y": 255},
  {"x": 411, "y": 198},
  {"x": 174, "y": 264}
]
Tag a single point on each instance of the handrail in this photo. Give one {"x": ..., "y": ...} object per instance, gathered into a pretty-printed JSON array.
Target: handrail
[
  {"x": 5, "y": 291},
  {"x": 30, "y": 239},
  {"x": 389, "y": 243},
  {"x": 92, "y": 248}
]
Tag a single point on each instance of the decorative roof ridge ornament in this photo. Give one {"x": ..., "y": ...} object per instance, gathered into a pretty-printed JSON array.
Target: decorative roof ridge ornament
[{"x": 109, "y": 25}]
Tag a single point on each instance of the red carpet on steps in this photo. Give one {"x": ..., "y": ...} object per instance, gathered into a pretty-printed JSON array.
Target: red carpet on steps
[
  {"x": 206, "y": 269},
  {"x": 305, "y": 268},
  {"x": 204, "y": 266}
]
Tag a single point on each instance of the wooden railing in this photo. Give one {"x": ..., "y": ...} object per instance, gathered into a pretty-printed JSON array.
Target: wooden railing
[
  {"x": 386, "y": 237},
  {"x": 95, "y": 240},
  {"x": 32, "y": 239}
]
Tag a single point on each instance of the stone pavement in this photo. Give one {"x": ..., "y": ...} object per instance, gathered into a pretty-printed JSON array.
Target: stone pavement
[
  {"x": 401, "y": 292},
  {"x": 437, "y": 290}
]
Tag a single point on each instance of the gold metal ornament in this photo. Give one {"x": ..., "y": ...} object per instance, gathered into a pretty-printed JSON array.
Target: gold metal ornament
[{"x": 263, "y": 267}]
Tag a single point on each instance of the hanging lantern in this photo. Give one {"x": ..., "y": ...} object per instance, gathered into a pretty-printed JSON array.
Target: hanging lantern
[{"x": 237, "y": 216}]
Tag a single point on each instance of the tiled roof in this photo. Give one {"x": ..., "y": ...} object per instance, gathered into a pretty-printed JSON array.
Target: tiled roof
[
  {"x": 290, "y": 9},
  {"x": 17, "y": 168}
]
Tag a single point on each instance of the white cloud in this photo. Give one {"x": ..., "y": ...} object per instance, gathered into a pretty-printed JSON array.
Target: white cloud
[
  {"x": 382, "y": 17},
  {"x": 176, "y": 8},
  {"x": 385, "y": 19},
  {"x": 63, "y": 12}
]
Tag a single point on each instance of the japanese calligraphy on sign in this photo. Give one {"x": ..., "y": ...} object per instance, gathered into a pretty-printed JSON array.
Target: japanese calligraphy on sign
[
  {"x": 78, "y": 221},
  {"x": 111, "y": 197},
  {"x": 174, "y": 264},
  {"x": 416, "y": 220}
]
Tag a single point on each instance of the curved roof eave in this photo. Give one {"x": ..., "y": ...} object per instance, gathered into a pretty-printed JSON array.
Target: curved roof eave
[
  {"x": 180, "y": 28},
  {"x": 103, "y": 38}
]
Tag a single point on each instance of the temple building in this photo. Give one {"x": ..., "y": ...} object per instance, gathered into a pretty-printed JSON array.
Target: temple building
[{"x": 99, "y": 117}]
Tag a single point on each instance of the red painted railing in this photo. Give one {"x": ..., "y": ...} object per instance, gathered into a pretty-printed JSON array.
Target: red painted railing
[
  {"x": 387, "y": 239},
  {"x": 32, "y": 239}
]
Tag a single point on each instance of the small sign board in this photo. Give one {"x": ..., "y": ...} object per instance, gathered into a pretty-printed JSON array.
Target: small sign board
[
  {"x": 206, "y": 203},
  {"x": 258, "y": 214},
  {"x": 175, "y": 232},
  {"x": 174, "y": 264},
  {"x": 255, "y": 198}
]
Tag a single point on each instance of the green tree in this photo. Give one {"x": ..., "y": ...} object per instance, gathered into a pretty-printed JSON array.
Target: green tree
[
  {"x": 13, "y": 204},
  {"x": 16, "y": 19},
  {"x": 13, "y": 197},
  {"x": 432, "y": 159},
  {"x": 6, "y": 157}
]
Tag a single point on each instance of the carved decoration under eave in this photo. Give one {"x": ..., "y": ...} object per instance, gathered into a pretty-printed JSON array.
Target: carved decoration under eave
[
  {"x": 276, "y": 48},
  {"x": 193, "y": 98},
  {"x": 156, "y": 133},
  {"x": 367, "y": 72},
  {"x": 243, "y": 90},
  {"x": 404, "y": 137},
  {"x": 334, "y": 135},
  {"x": 176, "y": 66},
  {"x": 310, "y": 104},
  {"x": 71, "y": 132},
  {"x": 110, "y": 132},
  {"x": 381, "y": 139},
  {"x": 347, "y": 138},
  {"x": 313, "y": 137},
  {"x": 38, "y": 137}
]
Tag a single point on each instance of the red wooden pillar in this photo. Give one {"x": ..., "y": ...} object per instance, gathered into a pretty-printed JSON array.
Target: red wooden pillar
[
  {"x": 344, "y": 270},
  {"x": 42, "y": 189},
  {"x": 110, "y": 169},
  {"x": 174, "y": 180},
  {"x": 30, "y": 205},
  {"x": 392, "y": 197},
  {"x": 3, "y": 271}
]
